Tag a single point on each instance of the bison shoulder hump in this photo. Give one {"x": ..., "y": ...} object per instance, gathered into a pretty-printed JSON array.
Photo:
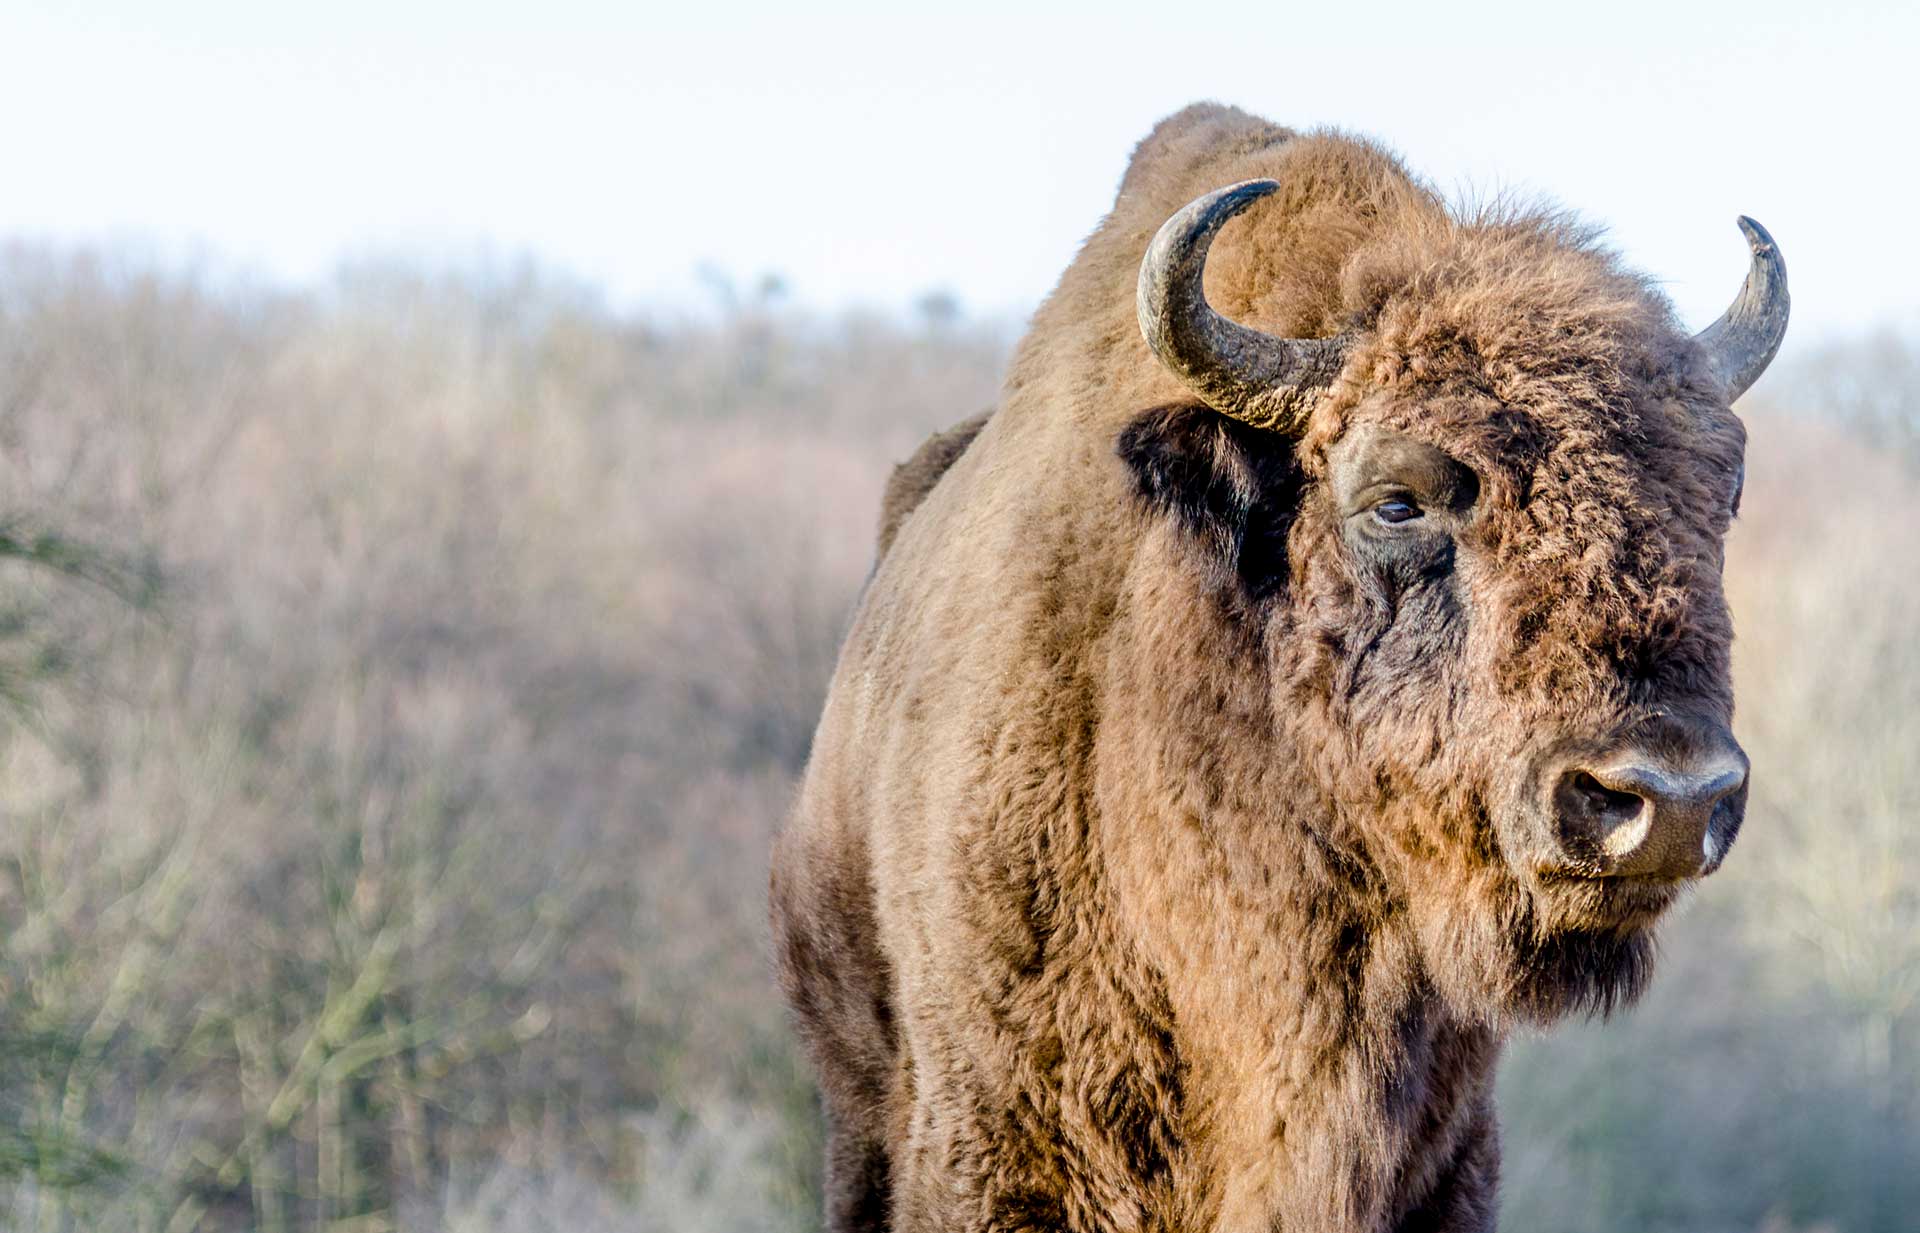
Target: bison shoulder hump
[{"x": 913, "y": 479}]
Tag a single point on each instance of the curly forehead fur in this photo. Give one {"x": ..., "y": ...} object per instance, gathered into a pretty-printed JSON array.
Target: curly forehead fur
[{"x": 1165, "y": 860}]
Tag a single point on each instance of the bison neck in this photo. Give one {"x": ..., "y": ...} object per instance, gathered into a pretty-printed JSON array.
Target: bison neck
[{"x": 1326, "y": 1085}]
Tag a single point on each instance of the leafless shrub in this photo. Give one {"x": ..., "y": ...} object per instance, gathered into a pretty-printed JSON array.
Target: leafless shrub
[{"x": 1870, "y": 384}]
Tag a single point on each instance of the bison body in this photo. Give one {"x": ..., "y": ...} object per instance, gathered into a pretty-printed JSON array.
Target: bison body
[{"x": 1210, "y": 782}]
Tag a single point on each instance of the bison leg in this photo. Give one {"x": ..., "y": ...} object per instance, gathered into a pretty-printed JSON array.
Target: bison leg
[
  {"x": 859, "y": 1193},
  {"x": 838, "y": 984}
]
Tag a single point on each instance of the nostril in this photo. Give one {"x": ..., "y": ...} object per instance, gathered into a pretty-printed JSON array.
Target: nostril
[
  {"x": 1604, "y": 803},
  {"x": 1598, "y": 821}
]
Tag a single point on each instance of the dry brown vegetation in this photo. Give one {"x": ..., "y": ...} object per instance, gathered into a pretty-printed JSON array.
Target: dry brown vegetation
[{"x": 405, "y": 679}]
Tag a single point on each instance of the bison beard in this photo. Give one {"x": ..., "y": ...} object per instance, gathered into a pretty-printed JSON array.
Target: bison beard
[{"x": 1256, "y": 716}]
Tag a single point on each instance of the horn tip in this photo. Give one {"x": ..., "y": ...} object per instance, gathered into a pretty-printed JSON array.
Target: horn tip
[
  {"x": 1759, "y": 239},
  {"x": 1246, "y": 191}
]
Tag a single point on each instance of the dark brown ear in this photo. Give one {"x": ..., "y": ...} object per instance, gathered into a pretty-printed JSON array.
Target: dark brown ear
[{"x": 1233, "y": 489}]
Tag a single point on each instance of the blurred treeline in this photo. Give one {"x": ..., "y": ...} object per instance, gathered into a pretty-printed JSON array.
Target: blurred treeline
[{"x": 403, "y": 679}]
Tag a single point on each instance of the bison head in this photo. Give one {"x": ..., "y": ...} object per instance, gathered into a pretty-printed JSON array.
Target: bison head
[{"x": 1476, "y": 539}]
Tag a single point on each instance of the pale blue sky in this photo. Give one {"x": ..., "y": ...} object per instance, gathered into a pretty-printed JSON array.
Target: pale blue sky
[{"x": 870, "y": 152}]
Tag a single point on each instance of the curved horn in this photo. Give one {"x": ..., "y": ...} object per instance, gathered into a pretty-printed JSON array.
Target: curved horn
[
  {"x": 1261, "y": 379},
  {"x": 1742, "y": 343}
]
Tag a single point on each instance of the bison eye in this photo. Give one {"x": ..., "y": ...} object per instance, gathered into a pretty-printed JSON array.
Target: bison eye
[
  {"x": 1739, "y": 487},
  {"x": 1395, "y": 510}
]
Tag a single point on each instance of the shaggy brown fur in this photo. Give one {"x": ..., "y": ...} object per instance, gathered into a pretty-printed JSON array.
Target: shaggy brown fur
[
  {"x": 1169, "y": 856},
  {"x": 913, "y": 479}
]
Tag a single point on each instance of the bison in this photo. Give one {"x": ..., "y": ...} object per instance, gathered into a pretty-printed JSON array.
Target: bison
[{"x": 1314, "y": 667}]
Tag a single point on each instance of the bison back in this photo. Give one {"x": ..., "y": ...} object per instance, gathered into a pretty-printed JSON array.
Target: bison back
[{"x": 913, "y": 479}]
